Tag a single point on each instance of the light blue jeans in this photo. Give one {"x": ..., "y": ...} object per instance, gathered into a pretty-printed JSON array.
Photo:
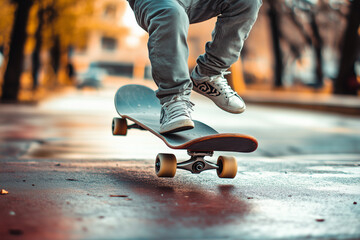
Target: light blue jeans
[{"x": 167, "y": 22}]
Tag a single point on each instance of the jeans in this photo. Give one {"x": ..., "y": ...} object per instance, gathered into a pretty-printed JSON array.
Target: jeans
[{"x": 167, "y": 23}]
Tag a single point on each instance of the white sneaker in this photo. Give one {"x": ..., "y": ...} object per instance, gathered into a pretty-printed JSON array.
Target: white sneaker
[
  {"x": 175, "y": 116},
  {"x": 218, "y": 90}
]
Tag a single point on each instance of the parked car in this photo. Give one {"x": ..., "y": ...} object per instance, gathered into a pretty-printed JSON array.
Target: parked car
[{"x": 93, "y": 77}]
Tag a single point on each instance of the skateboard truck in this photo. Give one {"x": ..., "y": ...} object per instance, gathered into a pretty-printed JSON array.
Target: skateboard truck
[
  {"x": 166, "y": 164},
  {"x": 197, "y": 163}
]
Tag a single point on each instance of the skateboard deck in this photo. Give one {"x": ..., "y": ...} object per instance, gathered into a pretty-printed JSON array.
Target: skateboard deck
[{"x": 140, "y": 105}]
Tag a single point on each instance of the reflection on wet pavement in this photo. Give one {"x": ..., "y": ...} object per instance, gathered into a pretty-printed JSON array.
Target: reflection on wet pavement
[{"x": 185, "y": 204}]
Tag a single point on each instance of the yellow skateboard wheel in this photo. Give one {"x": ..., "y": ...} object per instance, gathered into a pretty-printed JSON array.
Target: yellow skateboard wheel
[
  {"x": 119, "y": 126},
  {"x": 227, "y": 167},
  {"x": 165, "y": 165}
]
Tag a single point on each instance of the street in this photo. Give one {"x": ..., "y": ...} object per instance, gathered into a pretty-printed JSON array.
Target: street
[{"x": 67, "y": 177}]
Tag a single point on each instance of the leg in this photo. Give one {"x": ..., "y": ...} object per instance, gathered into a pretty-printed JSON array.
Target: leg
[
  {"x": 167, "y": 24},
  {"x": 232, "y": 28}
]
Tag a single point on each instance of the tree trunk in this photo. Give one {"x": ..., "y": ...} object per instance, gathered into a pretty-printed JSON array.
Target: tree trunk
[
  {"x": 11, "y": 85},
  {"x": 317, "y": 43},
  {"x": 275, "y": 33},
  {"x": 37, "y": 49},
  {"x": 56, "y": 54},
  {"x": 346, "y": 82}
]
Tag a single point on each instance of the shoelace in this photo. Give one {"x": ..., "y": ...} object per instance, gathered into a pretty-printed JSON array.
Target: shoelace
[
  {"x": 221, "y": 82},
  {"x": 175, "y": 108}
]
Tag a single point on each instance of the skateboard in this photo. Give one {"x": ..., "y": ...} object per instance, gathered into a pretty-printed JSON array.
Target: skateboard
[{"x": 139, "y": 105}]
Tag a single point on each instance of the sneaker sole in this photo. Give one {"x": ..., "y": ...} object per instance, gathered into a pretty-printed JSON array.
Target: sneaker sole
[{"x": 178, "y": 126}]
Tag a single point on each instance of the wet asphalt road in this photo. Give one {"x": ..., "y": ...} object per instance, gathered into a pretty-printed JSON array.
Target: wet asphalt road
[{"x": 69, "y": 178}]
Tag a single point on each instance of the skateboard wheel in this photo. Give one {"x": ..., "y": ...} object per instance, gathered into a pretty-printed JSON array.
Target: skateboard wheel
[
  {"x": 227, "y": 167},
  {"x": 165, "y": 165},
  {"x": 119, "y": 126}
]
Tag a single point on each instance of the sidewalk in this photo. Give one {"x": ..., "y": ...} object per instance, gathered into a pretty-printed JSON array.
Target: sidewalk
[
  {"x": 349, "y": 105},
  {"x": 341, "y": 104},
  {"x": 324, "y": 102},
  {"x": 313, "y": 101}
]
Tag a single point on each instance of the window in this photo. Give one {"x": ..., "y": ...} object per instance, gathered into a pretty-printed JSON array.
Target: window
[{"x": 108, "y": 43}]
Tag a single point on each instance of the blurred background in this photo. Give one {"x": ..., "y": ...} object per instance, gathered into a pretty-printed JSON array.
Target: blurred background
[
  {"x": 309, "y": 46},
  {"x": 65, "y": 176}
]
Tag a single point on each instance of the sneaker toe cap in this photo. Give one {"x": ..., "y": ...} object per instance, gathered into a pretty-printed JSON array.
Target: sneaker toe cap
[{"x": 236, "y": 104}]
